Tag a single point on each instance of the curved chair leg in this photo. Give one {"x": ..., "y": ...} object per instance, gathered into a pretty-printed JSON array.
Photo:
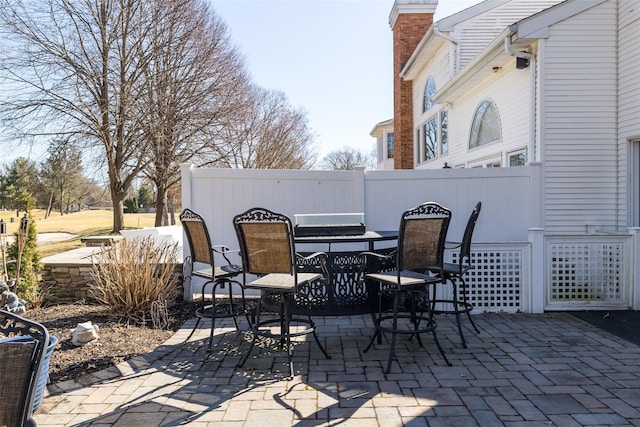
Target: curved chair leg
[
  {"x": 456, "y": 310},
  {"x": 415, "y": 320},
  {"x": 192, "y": 331},
  {"x": 286, "y": 332},
  {"x": 315, "y": 336},
  {"x": 435, "y": 338},
  {"x": 392, "y": 348},
  {"x": 213, "y": 326},
  {"x": 232, "y": 306},
  {"x": 376, "y": 323},
  {"x": 254, "y": 329},
  {"x": 431, "y": 324},
  {"x": 463, "y": 290}
]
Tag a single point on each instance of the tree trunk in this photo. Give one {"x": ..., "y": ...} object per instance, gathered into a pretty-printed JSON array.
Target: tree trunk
[
  {"x": 172, "y": 209},
  {"x": 161, "y": 205},
  {"x": 118, "y": 213},
  {"x": 61, "y": 200},
  {"x": 48, "y": 212}
]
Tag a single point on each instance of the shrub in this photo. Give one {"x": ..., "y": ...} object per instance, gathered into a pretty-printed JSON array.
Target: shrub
[
  {"x": 134, "y": 276},
  {"x": 131, "y": 205},
  {"x": 28, "y": 286}
]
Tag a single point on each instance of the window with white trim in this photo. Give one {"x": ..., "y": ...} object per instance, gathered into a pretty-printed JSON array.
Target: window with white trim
[
  {"x": 517, "y": 158},
  {"x": 444, "y": 132},
  {"x": 430, "y": 140},
  {"x": 429, "y": 92},
  {"x": 390, "y": 146},
  {"x": 486, "y": 127},
  {"x": 432, "y": 132},
  {"x": 494, "y": 161}
]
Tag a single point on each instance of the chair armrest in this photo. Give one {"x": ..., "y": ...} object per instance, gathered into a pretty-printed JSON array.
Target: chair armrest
[
  {"x": 224, "y": 251},
  {"x": 452, "y": 245},
  {"x": 364, "y": 255}
]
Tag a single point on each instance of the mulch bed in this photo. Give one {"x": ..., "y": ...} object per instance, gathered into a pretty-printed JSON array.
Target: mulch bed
[{"x": 119, "y": 340}]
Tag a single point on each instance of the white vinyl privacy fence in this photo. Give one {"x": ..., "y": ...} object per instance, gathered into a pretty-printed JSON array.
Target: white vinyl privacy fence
[{"x": 518, "y": 267}]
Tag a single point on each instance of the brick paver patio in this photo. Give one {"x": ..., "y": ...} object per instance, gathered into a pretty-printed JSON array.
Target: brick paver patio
[{"x": 521, "y": 370}]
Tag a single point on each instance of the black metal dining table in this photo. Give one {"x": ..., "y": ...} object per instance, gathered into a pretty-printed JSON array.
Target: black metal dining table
[
  {"x": 342, "y": 293},
  {"x": 370, "y": 237}
]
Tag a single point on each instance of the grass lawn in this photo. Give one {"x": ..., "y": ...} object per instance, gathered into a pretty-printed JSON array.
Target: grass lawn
[{"x": 82, "y": 224}]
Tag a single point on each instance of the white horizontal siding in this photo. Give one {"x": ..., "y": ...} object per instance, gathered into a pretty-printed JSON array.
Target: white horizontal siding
[
  {"x": 580, "y": 124},
  {"x": 475, "y": 34},
  {"x": 629, "y": 100},
  {"x": 629, "y": 35},
  {"x": 510, "y": 91}
]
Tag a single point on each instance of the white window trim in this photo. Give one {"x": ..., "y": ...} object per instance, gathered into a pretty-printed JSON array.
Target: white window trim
[
  {"x": 515, "y": 153},
  {"x": 483, "y": 162}
]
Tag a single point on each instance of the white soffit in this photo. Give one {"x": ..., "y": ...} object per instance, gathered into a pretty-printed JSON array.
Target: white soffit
[
  {"x": 477, "y": 70},
  {"x": 537, "y": 26},
  {"x": 447, "y": 24}
]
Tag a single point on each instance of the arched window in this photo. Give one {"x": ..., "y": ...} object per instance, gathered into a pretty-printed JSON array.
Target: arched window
[
  {"x": 429, "y": 91},
  {"x": 486, "y": 125}
]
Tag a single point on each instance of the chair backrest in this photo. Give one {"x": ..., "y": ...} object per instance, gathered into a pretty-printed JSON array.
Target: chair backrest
[
  {"x": 422, "y": 237},
  {"x": 465, "y": 246},
  {"x": 23, "y": 347},
  {"x": 266, "y": 242},
  {"x": 197, "y": 236}
]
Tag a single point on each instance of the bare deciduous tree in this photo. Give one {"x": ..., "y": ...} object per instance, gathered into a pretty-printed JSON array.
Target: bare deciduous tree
[
  {"x": 74, "y": 68},
  {"x": 150, "y": 84},
  {"x": 267, "y": 133},
  {"x": 346, "y": 159},
  {"x": 192, "y": 77}
]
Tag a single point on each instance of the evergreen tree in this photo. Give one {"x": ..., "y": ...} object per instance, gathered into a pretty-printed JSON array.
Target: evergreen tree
[{"x": 27, "y": 286}]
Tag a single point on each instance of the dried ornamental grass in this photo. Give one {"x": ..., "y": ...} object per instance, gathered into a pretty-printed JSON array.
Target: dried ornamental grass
[{"x": 135, "y": 276}]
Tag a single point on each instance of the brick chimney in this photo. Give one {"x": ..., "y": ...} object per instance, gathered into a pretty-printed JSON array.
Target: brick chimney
[{"x": 409, "y": 21}]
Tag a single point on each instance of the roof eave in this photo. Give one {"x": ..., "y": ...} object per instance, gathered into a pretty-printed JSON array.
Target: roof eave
[
  {"x": 480, "y": 68},
  {"x": 423, "y": 53}
]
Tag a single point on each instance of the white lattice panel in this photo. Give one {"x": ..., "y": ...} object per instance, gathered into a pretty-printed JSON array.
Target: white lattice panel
[
  {"x": 586, "y": 272},
  {"x": 495, "y": 284}
]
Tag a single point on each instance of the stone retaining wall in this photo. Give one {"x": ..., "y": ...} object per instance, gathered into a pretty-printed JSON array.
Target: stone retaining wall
[
  {"x": 66, "y": 283},
  {"x": 70, "y": 282}
]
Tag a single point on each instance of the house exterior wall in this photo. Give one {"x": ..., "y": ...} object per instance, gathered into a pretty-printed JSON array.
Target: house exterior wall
[
  {"x": 439, "y": 69},
  {"x": 579, "y": 125},
  {"x": 509, "y": 89},
  {"x": 476, "y": 33},
  {"x": 576, "y": 108},
  {"x": 629, "y": 112},
  {"x": 382, "y": 132}
]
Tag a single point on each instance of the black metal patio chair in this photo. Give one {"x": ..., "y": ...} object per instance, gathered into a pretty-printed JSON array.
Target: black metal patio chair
[
  {"x": 421, "y": 242},
  {"x": 454, "y": 273},
  {"x": 268, "y": 252},
  {"x": 214, "y": 303}
]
